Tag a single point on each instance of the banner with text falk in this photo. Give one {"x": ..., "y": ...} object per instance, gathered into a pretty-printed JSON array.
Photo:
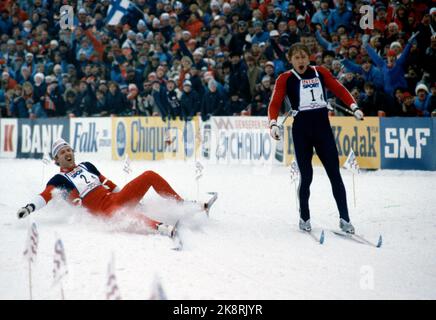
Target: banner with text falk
[{"x": 91, "y": 138}]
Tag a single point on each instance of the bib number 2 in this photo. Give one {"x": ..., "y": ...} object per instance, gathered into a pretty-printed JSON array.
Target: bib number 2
[{"x": 84, "y": 178}]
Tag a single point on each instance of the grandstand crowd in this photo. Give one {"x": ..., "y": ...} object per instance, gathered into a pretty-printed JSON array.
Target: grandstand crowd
[{"x": 178, "y": 59}]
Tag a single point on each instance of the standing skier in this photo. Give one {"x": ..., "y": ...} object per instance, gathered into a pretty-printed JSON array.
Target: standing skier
[{"x": 303, "y": 89}]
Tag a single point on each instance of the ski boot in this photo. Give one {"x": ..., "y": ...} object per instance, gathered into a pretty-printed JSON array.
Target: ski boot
[
  {"x": 166, "y": 230},
  {"x": 345, "y": 226},
  {"x": 305, "y": 225}
]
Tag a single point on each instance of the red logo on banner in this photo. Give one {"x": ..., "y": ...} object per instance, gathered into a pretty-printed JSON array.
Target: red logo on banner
[{"x": 8, "y": 146}]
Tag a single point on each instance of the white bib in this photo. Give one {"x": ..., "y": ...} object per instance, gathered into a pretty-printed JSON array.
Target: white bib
[
  {"x": 311, "y": 93},
  {"x": 83, "y": 180}
]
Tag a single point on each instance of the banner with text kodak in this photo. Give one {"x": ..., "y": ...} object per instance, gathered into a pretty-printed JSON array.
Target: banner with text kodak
[
  {"x": 150, "y": 138},
  {"x": 362, "y": 137}
]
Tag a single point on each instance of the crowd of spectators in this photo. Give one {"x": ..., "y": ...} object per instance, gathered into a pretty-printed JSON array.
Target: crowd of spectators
[{"x": 179, "y": 59}]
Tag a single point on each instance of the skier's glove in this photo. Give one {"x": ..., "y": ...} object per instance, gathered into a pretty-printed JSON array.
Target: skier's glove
[
  {"x": 274, "y": 130},
  {"x": 25, "y": 211},
  {"x": 358, "y": 114}
]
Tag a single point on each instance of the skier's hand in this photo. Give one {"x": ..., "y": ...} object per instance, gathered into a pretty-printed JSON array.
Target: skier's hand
[
  {"x": 25, "y": 211},
  {"x": 365, "y": 40},
  {"x": 274, "y": 130},
  {"x": 358, "y": 114},
  {"x": 413, "y": 37}
]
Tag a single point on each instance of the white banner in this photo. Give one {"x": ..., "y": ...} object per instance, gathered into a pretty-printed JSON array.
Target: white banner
[
  {"x": 242, "y": 140},
  {"x": 8, "y": 138},
  {"x": 91, "y": 138}
]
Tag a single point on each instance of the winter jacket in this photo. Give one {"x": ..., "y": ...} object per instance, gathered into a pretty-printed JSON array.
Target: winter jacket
[
  {"x": 189, "y": 104},
  {"x": 393, "y": 78},
  {"x": 373, "y": 75}
]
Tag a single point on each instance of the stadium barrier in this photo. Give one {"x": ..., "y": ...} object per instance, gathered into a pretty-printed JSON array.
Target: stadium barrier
[{"x": 386, "y": 143}]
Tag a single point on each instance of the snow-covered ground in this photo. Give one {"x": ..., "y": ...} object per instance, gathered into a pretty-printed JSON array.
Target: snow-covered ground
[{"x": 249, "y": 248}]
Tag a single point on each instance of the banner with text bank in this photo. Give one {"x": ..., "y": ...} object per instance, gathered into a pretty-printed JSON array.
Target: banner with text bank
[{"x": 35, "y": 137}]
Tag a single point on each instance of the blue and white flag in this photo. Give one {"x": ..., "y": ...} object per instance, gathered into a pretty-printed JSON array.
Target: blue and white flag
[
  {"x": 198, "y": 170},
  {"x": 117, "y": 9},
  {"x": 351, "y": 163},
  {"x": 112, "y": 289},
  {"x": 294, "y": 171},
  {"x": 126, "y": 165},
  {"x": 59, "y": 262},
  {"x": 32, "y": 243},
  {"x": 157, "y": 292}
]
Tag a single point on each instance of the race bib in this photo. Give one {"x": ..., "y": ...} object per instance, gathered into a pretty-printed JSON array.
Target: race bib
[
  {"x": 311, "y": 94},
  {"x": 83, "y": 180}
]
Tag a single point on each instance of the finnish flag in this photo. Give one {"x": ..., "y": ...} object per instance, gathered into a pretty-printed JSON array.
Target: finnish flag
[{"x": 116, "y": 11}]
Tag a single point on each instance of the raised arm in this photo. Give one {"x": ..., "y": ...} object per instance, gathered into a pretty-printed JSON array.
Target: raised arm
[
  {"x": 352, "y": 66},
  {"x": 375, "y": 57},
  {"x": 323, "y": 42}
]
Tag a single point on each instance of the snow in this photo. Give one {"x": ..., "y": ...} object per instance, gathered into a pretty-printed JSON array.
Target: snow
[{"x": 249, "y": 247}]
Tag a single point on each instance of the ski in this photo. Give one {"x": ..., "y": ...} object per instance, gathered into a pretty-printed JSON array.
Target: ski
[
  {"x": 178, "y": 243},
  {"x": 319, "y": 239},
  {"x": 358, "y": 238},
  {"x": 209, "y": 204}
]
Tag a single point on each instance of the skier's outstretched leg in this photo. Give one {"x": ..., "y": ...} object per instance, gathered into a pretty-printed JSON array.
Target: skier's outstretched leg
[{"x": 133, "y": 192}]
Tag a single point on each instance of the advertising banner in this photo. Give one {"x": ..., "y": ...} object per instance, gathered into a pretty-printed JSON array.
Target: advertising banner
[
  {"x": 243, "y": 140},
  {"x": 35, "y": 137},
  {"x": 362, "y": 137},
  {"x": 150, "y": 138},
  {"x": 91, "y": 138},
  {"x": 8, "y": 138},
  {"x": 408, "y": 143}
]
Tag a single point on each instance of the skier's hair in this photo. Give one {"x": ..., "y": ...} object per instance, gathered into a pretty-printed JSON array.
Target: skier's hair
[{"x": 296, "y": 48}]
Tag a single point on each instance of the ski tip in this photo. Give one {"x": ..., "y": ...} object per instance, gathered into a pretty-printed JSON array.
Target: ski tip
[
  {"x": 322, "y": 237},
  {"x": 379, "y": 242}
]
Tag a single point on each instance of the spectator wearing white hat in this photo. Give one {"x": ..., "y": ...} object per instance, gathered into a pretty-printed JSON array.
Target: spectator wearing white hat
[
  {"x": 189, "y": 101},
  {"x": 7, "y": 81},
  {"x": 213, "y": 103},
  {"x": 422, "y": 99},
  {"x": 198, "y": 59}
]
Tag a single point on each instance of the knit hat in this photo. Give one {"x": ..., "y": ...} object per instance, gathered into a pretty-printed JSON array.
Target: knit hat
[
  {"x": 57, "y": 146},
  {"x": 421, "y": 86},
  {"x": 395, "y": 44}
]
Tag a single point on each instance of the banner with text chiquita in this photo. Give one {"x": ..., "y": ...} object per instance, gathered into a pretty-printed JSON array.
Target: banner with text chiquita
[{"x": 150, "y": 138}]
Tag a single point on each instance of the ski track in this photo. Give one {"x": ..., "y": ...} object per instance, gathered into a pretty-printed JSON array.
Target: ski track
[{"x": 249, "y": 248}]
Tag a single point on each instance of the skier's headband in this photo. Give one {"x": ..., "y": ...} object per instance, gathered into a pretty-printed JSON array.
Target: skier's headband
[{"x": 57, "y": 146}]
